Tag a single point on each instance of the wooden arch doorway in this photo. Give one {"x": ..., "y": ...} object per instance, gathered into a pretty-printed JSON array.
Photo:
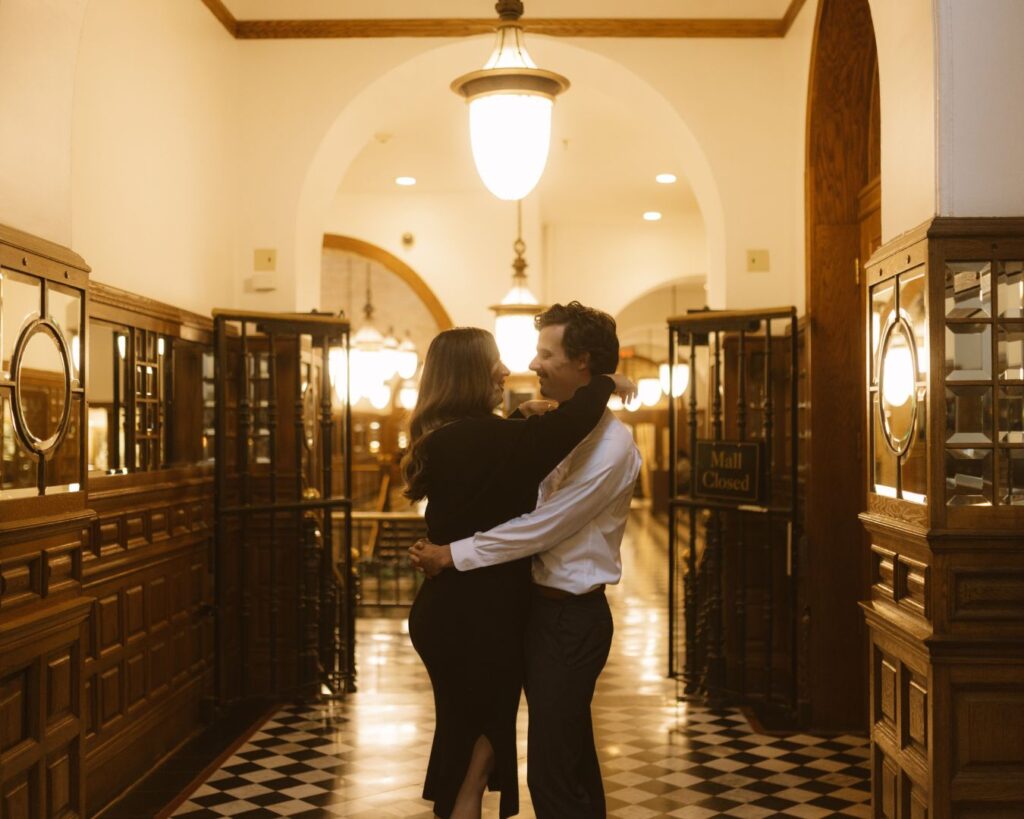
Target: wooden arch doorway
[{"x": 843, "y": 212}]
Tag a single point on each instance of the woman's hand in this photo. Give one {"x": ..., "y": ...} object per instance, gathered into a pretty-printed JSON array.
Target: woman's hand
[
  {"x": 536, "y": 407},
  {"x": 624, "y": 387}
]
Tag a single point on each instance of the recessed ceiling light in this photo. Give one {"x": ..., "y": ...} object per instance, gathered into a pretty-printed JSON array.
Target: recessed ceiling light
[
  {"x": 405, "y": 181},
  {"x": 665, "y": 178},
  {"x": 652, "y": 215}
]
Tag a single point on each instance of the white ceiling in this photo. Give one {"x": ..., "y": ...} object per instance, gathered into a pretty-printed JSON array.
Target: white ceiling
[{"x": 404, "y": 9}]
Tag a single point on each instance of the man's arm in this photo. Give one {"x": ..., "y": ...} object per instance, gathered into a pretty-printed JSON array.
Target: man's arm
[{"x": 584, "y": 494}]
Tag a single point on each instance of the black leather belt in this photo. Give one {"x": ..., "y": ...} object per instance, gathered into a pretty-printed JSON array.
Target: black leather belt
[{"x": 561, "y": 594}]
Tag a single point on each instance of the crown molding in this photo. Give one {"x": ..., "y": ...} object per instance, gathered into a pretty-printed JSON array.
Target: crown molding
[{"x": 678, "y": 28}]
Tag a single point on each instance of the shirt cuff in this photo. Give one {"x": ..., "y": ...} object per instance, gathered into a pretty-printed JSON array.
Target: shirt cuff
[{"x": 464, "y": 556}]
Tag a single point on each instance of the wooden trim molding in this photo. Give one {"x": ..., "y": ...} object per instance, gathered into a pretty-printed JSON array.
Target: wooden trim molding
[
  {"x": 665, "y": 27},
  {"x": 398, "y": 267},
  {"x": 105, "y": 294},
  {"x": 223, "y": 14}
]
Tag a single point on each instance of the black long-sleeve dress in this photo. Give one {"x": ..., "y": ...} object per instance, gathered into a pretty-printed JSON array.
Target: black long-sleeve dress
[{"x": 468, "y": 627}]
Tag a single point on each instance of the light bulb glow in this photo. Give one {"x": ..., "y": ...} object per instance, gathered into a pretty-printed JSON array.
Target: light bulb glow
[
  {"x": 510, "y": 134},
  {"x": 380, "y": 396},
  {"x": 615, "y": 403},
  {"x": 665, "y": 178},
  {"x": 76, "y": 352},
  {"x": 407, "y": 397},
  {"x": 337, "y": 367},
  {"x": 680, "y": 379},
  {"x": 516, "y": 337},
  {"x": 408, "y": 360},
  {"x": 405, "y": 181},
  {"x": 897, "y": 375},
  {"x": 122, "y": 346},
  {"x": 649, "y": 391},
  {"x": 633, "y": 404},
  {"x": 652, "y": 216}
]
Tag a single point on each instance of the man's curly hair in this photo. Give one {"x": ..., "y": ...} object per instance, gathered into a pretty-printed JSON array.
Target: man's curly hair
[{"x": 588, "y": 332}]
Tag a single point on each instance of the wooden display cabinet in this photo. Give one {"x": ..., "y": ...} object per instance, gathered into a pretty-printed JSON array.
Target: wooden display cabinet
[{"x": 945, "y": 520}]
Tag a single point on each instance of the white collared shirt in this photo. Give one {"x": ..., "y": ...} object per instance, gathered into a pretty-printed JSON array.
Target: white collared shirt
[{"x": 576, "y": 530}]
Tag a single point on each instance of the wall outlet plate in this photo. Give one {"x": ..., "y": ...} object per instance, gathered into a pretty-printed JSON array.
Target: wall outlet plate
[
  {"x": 264, "y": 259},
  {"x": 757, "y": 261}
]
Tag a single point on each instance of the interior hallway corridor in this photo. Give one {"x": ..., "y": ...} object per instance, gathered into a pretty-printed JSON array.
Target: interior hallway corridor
[{"x": 366, "y": 757}]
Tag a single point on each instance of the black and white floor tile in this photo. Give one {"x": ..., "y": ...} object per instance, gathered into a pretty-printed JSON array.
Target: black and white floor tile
[{"x": 365, "y": 757}]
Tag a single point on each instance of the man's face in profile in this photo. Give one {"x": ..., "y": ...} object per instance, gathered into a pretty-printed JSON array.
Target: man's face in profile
[{"x": 560, "y": 376}]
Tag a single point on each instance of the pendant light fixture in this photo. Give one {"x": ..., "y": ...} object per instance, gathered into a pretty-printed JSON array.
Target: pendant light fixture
[
  {"x": 514, "y": 330},
  {"x": 369, "y": 358},
  {"x": 510, "y": 102}
]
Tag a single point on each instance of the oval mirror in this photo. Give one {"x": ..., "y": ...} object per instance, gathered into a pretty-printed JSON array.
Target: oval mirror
[
  {"x": 43, "y": 387},
  {"x": 897, "y": 385}
]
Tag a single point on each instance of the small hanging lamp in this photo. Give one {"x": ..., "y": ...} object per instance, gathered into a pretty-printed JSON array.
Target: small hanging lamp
[
  {"x": 510, "y": 103},
  {"x": 514, "y": 330}
]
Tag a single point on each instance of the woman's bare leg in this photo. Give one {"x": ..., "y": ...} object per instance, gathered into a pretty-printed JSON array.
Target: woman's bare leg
[{"x": 471, "y": 794}]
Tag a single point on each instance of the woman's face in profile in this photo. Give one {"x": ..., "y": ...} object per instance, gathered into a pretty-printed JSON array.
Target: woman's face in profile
[{"x": 499, "y": 372}]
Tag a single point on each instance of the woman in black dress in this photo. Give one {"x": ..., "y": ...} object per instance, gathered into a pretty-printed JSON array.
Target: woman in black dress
[{"x": 478, "y": 470}]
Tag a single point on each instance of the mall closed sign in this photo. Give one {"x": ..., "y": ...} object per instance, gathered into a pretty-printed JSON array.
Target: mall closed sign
[{"x": 728, "y": 470}]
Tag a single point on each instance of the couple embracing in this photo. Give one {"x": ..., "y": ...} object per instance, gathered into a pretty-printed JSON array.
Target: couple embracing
[{"x": 525, "y": 518}]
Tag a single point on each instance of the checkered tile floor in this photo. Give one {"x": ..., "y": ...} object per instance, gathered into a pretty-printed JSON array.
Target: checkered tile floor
[{"x": 365, "y": 757}]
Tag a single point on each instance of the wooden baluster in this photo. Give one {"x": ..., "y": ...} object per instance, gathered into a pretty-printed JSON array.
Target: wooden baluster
[
  {"x": 245, "y": 479},
  {"x": 715, "y": 678},
  {"x": 296, "y": 562},
  {"x": 691, "y": 676},
  {"x": 768, "y": 612},
  {"x": 272, "y": 547},
  {"x": 740, "y": 579}
]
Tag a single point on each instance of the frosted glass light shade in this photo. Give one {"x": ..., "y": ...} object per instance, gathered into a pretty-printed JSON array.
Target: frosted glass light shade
[
  {"x": 408, "y": 360},
  {"x": 517, "y": 340},
  {"x": 680, "y": 379},
  {"x": 510, "y": 135},
  {"x": 649, "y": 391}
]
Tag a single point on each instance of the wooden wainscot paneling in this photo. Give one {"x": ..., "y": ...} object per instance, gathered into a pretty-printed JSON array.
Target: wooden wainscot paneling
[
  {"x": 149, "y": 663},
  {"x": 946, "y": 607}
]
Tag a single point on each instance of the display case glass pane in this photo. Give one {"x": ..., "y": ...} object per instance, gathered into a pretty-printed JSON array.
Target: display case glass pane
[
  {"x": 968, "y": 415},
  {"x": 1011, "y": 415},
  {"x": 1011, "y": 289},
  {"x": 913, "y": 298},
  {"x": 886, "y": 464},
  {"x": 107, "y": 393},
  {"x": 883, "y": 303},
  {"x": 969, "y": 477},
  {"x": 17, "y": 466},
  {"x": 968, "y": 352},
  {"x": 63, "y": 470},
  {"x": 968, "y": 289},
  {"x": 20, "y": 299},
  {"x": 914, "y": 475},
  {"x": 64, "y": 307},
  {"x": 1011, "y": 352},
  {"x": 1011, "y": 477}
]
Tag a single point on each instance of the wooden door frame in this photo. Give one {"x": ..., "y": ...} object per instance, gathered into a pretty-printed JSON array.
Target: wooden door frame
[{"x": 838, "y": 146}]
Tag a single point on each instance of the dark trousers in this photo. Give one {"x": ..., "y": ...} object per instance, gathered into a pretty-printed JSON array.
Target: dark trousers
[{"x": 567, "y": 644}]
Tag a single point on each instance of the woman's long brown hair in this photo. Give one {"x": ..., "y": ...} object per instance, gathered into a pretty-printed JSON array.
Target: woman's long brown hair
[{"x": 456, "y": 383}]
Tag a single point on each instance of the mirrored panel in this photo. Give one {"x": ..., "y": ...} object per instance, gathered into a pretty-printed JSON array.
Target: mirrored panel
[
  {"x": 897, "y": 387},
  {"x": 883, "y": 303},
  {"x": 1011, "y": 477},
  {"x": 108, "y": 396},
  {"x": 914, "y": 469},
  {"x": 42, "y": 387},
  {"x": 1011, "y": 352},
  {"x": 17, "y": 464},
  {"x": 885, "y": 462},
  {"x": 968, "y": 289},
  {"x": 912, "y": 308},
  {"x": 968, "y": 415},
  {"x": 969, "y": 477},
  {"x": 63, "y": 468},
  {"x": 1011, "y": 289},
  {"x": 1011, "y": 415},
  {"x": 968, "y": 352},
  {"x": 20, "y": 300},
  {"x": 64, "y": 307}
]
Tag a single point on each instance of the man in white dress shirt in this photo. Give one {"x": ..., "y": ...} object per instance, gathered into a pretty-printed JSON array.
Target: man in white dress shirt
[{"x": 574, "y": 535}]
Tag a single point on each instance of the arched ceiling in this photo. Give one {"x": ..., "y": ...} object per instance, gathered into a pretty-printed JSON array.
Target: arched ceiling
[{"x": 605, "y": 152}]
